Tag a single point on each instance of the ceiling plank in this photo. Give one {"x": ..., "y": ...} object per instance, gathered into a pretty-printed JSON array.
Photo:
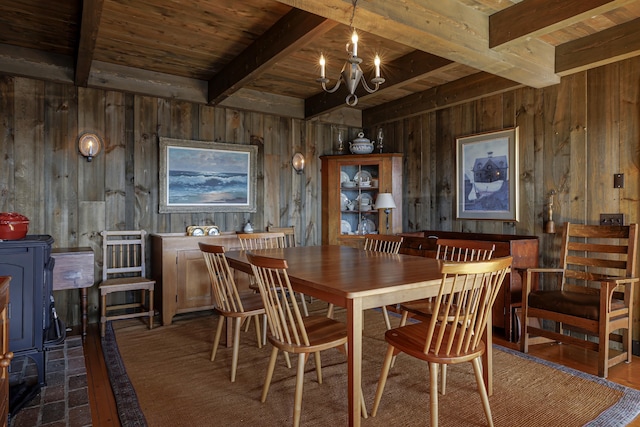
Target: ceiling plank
[
  {"x": 607, "y": 46},
  {"x": 459, "y": 91},
  {"x": 533, "y": 18},
  {"x": 400, "y": 72},
  {"x": 290, "y": 33},
  {"x": 91, "y": 14},
  {"x": 446, "y": 28}
]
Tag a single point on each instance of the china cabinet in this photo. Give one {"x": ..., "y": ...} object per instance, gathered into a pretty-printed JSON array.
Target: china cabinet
[{"x": 350, "y": 186}]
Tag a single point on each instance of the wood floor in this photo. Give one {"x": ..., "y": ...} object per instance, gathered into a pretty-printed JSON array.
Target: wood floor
[{"x": 104, "y": 412}]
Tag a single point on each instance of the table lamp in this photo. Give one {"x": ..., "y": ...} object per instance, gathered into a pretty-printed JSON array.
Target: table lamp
[{"x": 385, "y": 201}]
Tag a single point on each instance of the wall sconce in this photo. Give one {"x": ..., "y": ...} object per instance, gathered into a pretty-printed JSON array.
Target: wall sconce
[
  {"x": 550, "y": 226},
  {"x": 89, "y": 145},
  {"x": 298, "y": 163},
  {"x": 385, "y": 201}
]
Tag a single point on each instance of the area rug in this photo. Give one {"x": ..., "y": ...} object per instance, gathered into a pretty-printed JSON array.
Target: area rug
[{"x": 170, "y": 381}]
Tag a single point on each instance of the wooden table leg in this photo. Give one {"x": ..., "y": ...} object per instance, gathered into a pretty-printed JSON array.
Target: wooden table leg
[
  {"x": 84, "y": 302},
  {"x": 354, "y": 337}
]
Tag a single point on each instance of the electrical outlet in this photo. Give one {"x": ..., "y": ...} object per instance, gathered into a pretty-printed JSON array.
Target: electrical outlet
[{"x": 612, "y": 219}]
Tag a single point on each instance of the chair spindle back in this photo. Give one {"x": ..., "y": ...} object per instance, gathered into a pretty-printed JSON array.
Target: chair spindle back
[
  {"x": 283, "y": 314},
  {"x": 459, "y": 327}
]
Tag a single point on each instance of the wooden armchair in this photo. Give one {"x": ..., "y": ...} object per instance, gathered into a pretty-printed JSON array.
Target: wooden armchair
[{"x": 593, "y": 294}]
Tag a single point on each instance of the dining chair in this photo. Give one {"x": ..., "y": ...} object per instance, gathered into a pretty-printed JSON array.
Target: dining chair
[
  {"x": 123, "y": 271},
  {"x": 289, "y": 234},
  {"x": 229, "y": 302},
  {"x": 387, "y": 243},
  {"x": 465, "y": 299},
  {"x": 269, "y": 240},
  {"x": 292, "y": 332},
  {"x": 447, "y": 250}
]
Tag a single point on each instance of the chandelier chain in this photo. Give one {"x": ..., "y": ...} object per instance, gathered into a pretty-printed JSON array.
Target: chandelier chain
[{"x": 353, "y": 14}]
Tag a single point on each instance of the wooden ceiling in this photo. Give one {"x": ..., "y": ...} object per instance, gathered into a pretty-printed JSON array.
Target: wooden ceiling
[{"x": 264, "y": 53}]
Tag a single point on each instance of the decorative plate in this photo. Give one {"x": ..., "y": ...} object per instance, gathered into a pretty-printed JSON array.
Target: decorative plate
[
  {"x": 345, "y": 227},
  {"x": 344, "y": 177},
  {"x": 213, "y": 230},
  {"x": 343, "y": 202},
  {"x": 362, "y": 175}
]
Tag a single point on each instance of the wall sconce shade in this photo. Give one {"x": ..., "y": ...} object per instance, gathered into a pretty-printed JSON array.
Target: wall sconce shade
[
  {"x": 89, "y": 145},
  {"x": 298, "y": 163}
]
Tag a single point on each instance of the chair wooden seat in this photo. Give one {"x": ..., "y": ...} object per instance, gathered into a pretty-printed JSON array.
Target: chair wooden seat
[
  {"x": 589, "y": 295},
  {"x": 323, "y": 333},
  {"x": 410, "y": 339}
]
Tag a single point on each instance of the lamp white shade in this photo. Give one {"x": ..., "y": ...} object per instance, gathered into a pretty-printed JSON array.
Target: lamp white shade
[{"x": 385, "y": 201}]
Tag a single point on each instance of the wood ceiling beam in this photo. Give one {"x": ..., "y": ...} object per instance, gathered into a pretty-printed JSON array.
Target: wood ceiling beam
[
  {"x": 607, "y": 46},
  {"x": 289, "y": 34},
  {"x": 405, "y": 70},
  {"x": 534, "y": 18},
  {"x": 463, "y": 90},
  {"x": 446, "y": 28},
  {"x": 91, "y": 14}
]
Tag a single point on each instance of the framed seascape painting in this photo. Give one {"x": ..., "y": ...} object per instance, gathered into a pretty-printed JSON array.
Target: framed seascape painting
[
  {"x": 487, "y": 175},
  {"x": 200, "y": 176}
]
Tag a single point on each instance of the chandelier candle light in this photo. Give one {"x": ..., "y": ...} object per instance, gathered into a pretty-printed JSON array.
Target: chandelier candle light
[{"x": 351, "y": 73}]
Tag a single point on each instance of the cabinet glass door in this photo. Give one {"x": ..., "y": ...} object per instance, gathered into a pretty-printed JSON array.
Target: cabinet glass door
[{"x": 358, "y": 191}]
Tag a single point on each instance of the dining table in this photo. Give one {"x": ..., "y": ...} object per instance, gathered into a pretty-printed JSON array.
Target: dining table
[{"x": 359, "y": 280}]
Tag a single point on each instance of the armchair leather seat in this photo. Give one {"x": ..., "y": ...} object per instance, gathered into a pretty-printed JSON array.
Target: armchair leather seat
[{"x": 586, "y": 306}]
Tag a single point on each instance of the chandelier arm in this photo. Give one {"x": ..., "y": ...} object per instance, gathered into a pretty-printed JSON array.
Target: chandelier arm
[
  {"x": 324, "y": 85},
  {"x": 367, "y": 88}
]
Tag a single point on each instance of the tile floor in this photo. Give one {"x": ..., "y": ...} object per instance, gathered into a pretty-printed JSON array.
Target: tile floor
[{"x": 64, "y": 401}]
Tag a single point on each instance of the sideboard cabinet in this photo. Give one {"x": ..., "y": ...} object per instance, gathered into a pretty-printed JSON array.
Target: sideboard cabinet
[
  {"x": 350, "y": 186},
  {"x": 182, "y": 280}
]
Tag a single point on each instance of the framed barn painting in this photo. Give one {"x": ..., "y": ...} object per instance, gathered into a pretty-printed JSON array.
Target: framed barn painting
[
  {"x": 487, "y": 175},
  {"x": 201, "y": 176}
]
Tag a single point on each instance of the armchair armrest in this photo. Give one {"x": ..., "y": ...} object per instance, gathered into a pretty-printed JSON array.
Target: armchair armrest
[
  {"x": 620, "y": 280},
  {"x": 608, "y": 287}
]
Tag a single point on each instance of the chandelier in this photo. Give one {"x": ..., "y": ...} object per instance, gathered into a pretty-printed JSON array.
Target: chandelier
[{"x": 351, "y": 73}]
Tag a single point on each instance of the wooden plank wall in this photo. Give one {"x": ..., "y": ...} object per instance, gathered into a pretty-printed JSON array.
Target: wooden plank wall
[
  {"x": 44, "y": 177},
  {"x": 573, "y": 137}
]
